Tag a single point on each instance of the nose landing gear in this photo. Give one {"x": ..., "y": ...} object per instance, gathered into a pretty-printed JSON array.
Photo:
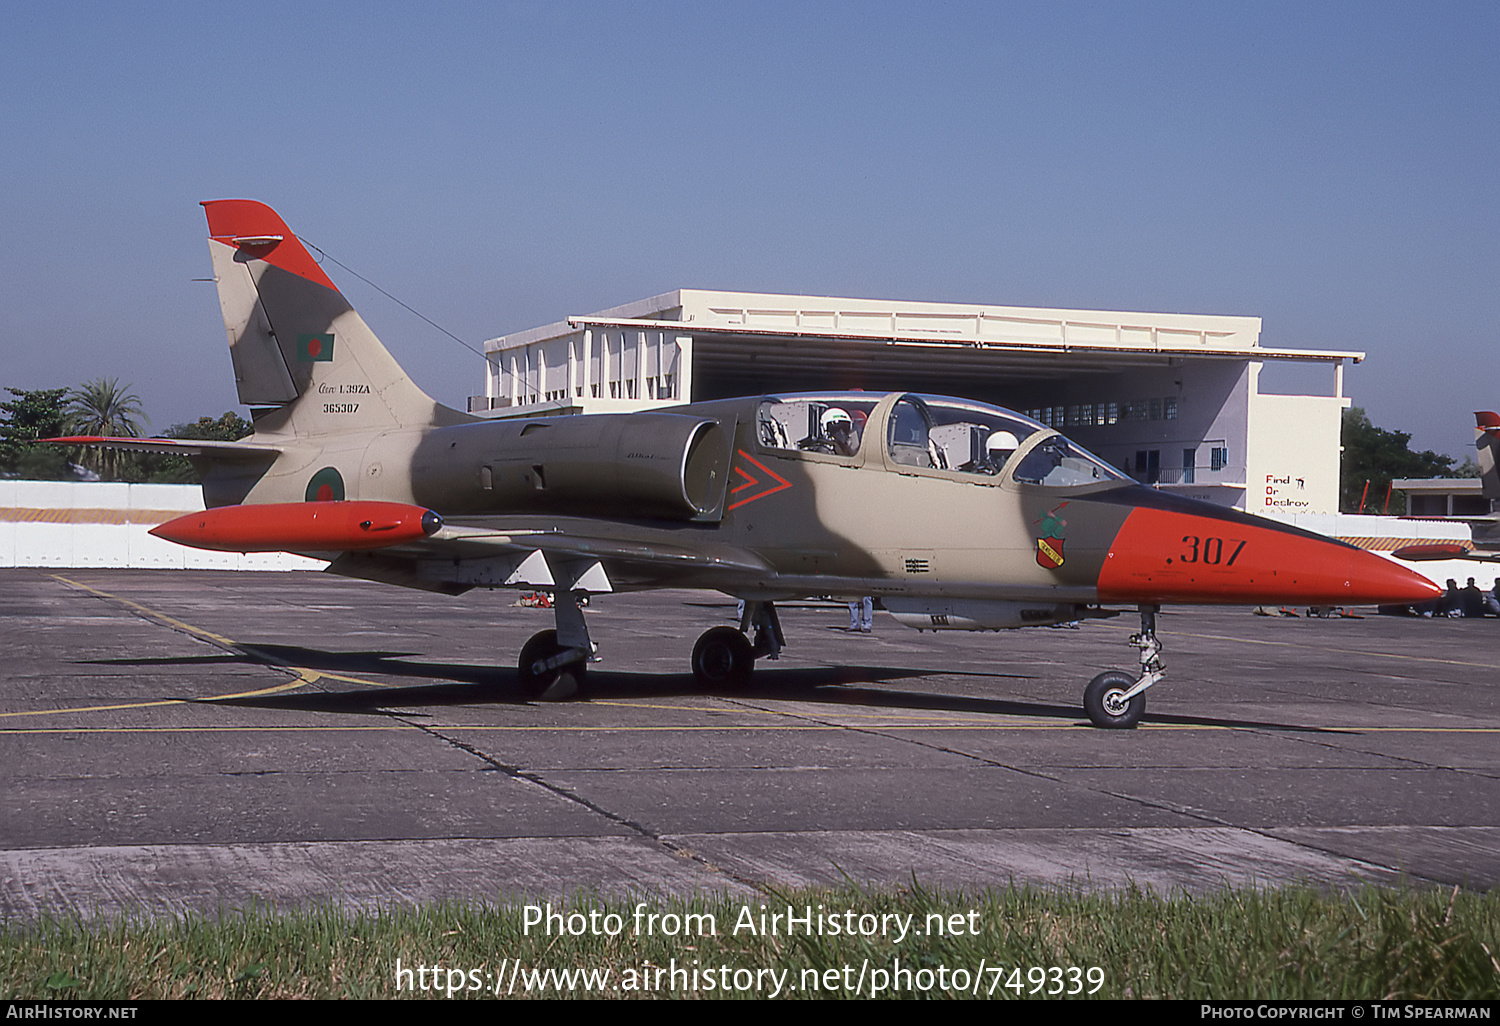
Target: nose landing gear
[{"x": 1115, "y": 700}]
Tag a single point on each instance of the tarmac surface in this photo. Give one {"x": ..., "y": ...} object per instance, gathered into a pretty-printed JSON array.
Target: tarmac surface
[{"x": 202, "y": 741}]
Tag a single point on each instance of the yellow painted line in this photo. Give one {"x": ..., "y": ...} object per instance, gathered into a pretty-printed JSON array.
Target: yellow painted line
[
  {"x": 845, "y": 711},
  {"x": 307, "y": 675},
  {"x": 304, "y": 675},
  {"x": 524, "y": 729},
  {"x": 200, "y": 730},
  {"x": 276, "y": 689},
  {"x": 324, "y": 675},
  {"x": 217, "y": 639},
  {"x": 701, "y": 728},
  {"x": 95, "y": 708}
]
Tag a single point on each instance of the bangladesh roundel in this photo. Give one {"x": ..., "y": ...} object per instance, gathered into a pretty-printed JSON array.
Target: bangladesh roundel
[{"x": 326, "y": 486}]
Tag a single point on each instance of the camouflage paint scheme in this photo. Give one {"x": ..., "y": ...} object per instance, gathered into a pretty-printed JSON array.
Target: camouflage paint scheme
[{"x": 704, "y": 495}]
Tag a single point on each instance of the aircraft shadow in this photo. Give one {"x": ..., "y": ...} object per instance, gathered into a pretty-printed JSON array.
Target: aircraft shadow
[{"x": 468, "y": 684}]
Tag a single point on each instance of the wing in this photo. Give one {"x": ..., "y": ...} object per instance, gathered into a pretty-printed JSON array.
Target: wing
[
  {"x": 1444, "y": 550},
  {"x": 561, "y": 553}
]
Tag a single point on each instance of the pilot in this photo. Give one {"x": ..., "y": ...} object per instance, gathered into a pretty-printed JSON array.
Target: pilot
[
  {"x": 997, "y": 449},
  {"x": 836, "y": 434}
]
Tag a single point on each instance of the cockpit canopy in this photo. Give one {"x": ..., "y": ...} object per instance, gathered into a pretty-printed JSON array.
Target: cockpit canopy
[{"x": 931, "y": 433}]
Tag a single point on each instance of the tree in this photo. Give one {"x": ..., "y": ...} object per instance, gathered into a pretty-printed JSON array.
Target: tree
[
  {"x": 103, "y": 407},
  {"x": 164, "y": 468},
  {"x": 33, "y": 414},
  {"x": 230, "y": 427},
  {"x": 1377, "y": 456}
]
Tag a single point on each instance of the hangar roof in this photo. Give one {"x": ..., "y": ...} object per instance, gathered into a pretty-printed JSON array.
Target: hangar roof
[{"x": 791, "y": 330}]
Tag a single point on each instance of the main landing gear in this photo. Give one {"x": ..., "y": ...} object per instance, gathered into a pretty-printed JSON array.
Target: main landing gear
[
  {"x": 554, "y": 664},
  {"x": 1115, "y": 700},
  {"x": 725, "y": 657}
]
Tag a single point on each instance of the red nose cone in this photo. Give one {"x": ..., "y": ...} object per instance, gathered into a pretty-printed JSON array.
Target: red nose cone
[
  {"x": 1164, "y": 556},
  {"x": 301, "y": 527}
]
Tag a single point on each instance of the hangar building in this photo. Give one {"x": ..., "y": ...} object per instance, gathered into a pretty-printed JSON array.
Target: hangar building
[{"x": 1172, "y": 399}]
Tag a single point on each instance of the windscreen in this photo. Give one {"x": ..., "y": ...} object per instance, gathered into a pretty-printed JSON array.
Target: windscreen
[{"x": 1060, "y": 463}]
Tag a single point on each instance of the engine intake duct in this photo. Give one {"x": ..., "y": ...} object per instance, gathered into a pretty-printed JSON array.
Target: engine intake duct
[{"x": 636, "y": 465}]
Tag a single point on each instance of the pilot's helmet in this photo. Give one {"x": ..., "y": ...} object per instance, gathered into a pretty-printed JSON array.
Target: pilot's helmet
[
  {"x": 835, "y": 419},
  {"x": 1001, "y": 441}
]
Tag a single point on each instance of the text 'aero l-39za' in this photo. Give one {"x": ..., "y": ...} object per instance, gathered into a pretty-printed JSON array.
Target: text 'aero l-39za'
[{"x": 955, "y": 514}]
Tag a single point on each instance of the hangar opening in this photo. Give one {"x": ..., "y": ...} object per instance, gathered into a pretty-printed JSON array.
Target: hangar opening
[{"x": 1174, "y": 400}]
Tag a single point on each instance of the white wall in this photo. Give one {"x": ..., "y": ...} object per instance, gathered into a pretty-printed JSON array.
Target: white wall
[
  {"x": 1293, "y": 453},
  {"x": 94, "y": 524}
]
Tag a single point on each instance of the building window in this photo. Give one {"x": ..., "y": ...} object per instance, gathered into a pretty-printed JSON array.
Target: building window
[
  {"x": 1169, "y": 408},
  {"x": 1218, "y": 458}
]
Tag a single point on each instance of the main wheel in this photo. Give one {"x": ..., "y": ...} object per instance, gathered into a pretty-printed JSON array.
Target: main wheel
[
  {"x": 552, "y": 685},
  {"x": 723, "y": 657},
  {"x": 1104, "y": 702}
]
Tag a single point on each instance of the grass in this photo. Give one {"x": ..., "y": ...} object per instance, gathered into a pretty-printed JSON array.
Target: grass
[{"x": 1262, "y": 944}]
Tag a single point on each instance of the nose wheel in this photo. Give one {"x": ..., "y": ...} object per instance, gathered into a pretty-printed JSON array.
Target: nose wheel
[
  {"x": 1105, "y": 702},
  {"x": 1115, "y": 700}
]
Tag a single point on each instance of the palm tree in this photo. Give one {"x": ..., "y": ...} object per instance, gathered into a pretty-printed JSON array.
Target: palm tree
[{"x": 103, "y": 407}]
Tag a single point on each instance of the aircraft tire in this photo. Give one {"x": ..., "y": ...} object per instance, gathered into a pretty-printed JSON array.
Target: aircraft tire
[
  {"x": 554, "y": 685},
  {"x": 723, "y": 657},
  {"x": 1101, "y": 701}
]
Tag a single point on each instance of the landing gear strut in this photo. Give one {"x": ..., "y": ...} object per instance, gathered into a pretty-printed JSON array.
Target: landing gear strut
[
  {"x": 725, "y": 656},
  {"x": 554, "y": 664},
  {"x": 1114, "y": 700}
]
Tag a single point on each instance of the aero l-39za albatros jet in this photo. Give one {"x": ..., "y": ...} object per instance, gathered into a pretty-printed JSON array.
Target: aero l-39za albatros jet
[{"x": 955, "y": 514}]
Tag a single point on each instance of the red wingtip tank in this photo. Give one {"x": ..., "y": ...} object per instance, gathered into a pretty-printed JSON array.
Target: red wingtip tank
[{"x": 302, "y": 527}]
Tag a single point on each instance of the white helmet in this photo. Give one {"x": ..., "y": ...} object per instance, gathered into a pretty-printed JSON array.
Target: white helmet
[
  {"x": 1001, "y": 441},
  {"x": 832, "y": 416}
]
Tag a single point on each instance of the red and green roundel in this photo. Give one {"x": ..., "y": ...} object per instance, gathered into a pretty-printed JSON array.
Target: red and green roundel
[
  {"x": 327, "y": 485},
  {"x": 315, "y": 348}
]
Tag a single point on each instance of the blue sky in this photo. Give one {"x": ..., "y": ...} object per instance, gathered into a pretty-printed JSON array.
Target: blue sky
[{"x": 1331, "y": 168}]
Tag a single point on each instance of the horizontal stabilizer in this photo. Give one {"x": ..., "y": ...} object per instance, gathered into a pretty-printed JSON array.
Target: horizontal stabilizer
[{"x": 177, "y": 446}]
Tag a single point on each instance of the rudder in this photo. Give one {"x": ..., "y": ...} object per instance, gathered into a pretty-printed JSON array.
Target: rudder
[
  {"x": 1486, "y": 438},
  {"x": 296, "y": 343}
]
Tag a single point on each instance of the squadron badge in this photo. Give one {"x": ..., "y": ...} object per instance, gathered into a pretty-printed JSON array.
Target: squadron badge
[{"x": 1049, "y": 544}]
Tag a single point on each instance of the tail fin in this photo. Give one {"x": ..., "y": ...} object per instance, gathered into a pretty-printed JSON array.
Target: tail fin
[
  {"x": 1486, "y": 439},
  {"x": 296, "y": 343}
]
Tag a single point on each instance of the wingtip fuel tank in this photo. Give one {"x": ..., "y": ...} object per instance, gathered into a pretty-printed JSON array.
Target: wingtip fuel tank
[{"x": 302, "y": 527}]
